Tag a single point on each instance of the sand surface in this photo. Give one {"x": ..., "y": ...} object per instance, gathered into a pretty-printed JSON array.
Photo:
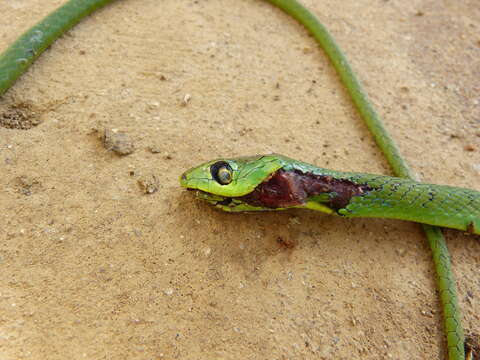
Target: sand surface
[{"x": 94, "y": 268}]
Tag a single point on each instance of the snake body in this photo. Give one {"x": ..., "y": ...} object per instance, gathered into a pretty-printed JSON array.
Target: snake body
[
  {"x": 276, "y": 182},
  {"x": 16, "y": 59}
]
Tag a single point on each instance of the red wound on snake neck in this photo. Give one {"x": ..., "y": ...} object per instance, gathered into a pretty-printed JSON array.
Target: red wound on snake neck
[{"x": 292, "y": 188}]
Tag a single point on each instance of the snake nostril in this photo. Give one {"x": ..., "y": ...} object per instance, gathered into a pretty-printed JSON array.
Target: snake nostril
[{"x": 184, "y": 177}]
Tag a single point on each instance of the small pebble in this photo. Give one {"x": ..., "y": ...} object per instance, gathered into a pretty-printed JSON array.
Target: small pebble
[
  {"x": 154, "y": 149},
  {"x": 149, "y": 185},
  {"x": 153, "y": 105},
  {"x": 168, "y": 291},
  {"x": 186, "y": 99},
  {"x": 118, "y": 142}
]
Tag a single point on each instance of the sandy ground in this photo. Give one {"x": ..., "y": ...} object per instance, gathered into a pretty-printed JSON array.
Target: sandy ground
[{"x": 94, "y": 268}]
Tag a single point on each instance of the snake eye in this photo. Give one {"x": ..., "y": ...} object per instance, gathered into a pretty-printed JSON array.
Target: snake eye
[{"x": 222, "y": 172}]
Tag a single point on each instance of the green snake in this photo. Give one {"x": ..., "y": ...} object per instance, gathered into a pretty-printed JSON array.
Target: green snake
[{"x": 277, "y": 182}]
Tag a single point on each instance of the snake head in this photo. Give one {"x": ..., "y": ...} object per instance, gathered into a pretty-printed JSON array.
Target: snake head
[{"x": 221, "y": 182}]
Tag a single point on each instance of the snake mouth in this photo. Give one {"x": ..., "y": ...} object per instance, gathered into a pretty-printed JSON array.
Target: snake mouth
[{"x": 212, "y": 198}]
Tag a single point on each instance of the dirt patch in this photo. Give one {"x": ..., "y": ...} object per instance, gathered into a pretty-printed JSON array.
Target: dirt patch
[
  {"x": 472, "y": 346},
  {"x": 27, "y": 185},
  {"x": 19, "y": 116}
]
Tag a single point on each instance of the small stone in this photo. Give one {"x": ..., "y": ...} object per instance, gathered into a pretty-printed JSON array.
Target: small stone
[
  {"x": 149, "y": 185},
  {"x": 153, "y": 105},
  {"x": 186, "y": 99},
  {"x": 469, "y": 147},
  {"x": 168, "y": 291},
  {"x": 118, "y": 142},
  {"x": 154, "y": 149}
]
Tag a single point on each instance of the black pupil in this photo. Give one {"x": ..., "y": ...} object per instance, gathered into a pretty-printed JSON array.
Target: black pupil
[{"x": 221, "y": 172}]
